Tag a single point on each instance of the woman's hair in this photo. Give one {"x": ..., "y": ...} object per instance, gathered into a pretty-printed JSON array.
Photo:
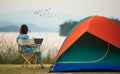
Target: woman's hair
[{"x": 24, "y": 29}]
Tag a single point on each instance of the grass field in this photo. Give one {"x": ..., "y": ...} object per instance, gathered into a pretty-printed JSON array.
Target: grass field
[{"x": 15, "y": 69}]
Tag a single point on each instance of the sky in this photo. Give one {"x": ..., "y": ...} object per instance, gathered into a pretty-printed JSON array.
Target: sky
[{"x": 70, "y": 9}]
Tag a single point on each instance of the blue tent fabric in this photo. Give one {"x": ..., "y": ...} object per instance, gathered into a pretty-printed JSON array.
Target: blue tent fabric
[{"x": 86, "y": 67}]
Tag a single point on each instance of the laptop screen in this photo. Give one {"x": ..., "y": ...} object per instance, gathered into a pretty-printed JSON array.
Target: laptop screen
[{"x": 38, "y": 40}]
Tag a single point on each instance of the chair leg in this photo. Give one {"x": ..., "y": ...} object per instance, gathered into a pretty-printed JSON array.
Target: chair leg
[
  {"x": 26, "y": 61},
  {"x": 30, "y": 59},
  {"x": 36, "y": 63}
]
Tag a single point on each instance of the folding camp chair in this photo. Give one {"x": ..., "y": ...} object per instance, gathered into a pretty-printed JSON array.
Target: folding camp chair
[{"x": 30, "y": 58}]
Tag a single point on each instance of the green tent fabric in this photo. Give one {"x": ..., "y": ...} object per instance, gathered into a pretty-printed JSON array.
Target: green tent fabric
[{"x": 90, "y": 49}]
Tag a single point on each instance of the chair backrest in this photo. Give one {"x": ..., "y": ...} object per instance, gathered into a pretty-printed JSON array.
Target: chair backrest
[{"x": 26, "y": 42}]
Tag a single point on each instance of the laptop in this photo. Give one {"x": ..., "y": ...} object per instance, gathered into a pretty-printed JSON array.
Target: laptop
[{"x": 38, "y": 40}]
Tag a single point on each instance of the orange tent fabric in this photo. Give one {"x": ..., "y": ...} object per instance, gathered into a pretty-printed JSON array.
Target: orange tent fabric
[{"x": 99, "y": 26}]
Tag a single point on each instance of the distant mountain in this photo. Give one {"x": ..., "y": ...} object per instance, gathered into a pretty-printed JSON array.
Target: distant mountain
[
  {"x": 7, "y": 26},
  {"x": 36, "y": 22},
  {"x": 10, "y": 28}
]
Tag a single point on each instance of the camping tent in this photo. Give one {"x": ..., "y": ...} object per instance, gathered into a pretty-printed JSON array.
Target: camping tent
[{"x": 94, "y": 44}]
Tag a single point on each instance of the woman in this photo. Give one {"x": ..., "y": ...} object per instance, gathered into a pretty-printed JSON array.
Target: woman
[{"x": 28, "y": 48}]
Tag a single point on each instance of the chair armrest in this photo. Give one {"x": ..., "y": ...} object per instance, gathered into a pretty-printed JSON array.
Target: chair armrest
[
  {"x": 34, "y": 45},
  {"x": 20, "y": 52},
  {"x": 18, "y": 47}
]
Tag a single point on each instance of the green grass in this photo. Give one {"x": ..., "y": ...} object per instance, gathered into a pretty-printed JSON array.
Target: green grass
[{"x": 16, "y": 69}]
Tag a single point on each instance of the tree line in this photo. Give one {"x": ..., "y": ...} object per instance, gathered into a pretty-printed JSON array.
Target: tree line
[{"x": 67, "y": 26}]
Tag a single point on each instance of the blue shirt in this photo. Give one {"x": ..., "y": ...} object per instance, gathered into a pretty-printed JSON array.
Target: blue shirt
[{"x": 25, "y": 48}]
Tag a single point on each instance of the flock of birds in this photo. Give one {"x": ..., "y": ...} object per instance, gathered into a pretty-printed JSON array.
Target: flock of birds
[{"x": 43, "y": 12}]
